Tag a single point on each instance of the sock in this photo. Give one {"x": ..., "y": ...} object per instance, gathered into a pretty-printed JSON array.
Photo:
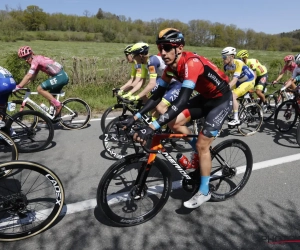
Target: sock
[
  {"x": 193, "y": 143},
  {"x": 55, "y": 102},
  {"x": 236, "y": 115},
  {"x": 204, "y": 186}
]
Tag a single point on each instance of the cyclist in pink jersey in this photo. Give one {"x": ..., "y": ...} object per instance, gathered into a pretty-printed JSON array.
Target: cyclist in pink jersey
[
  {"x": 290, "y": 65},
  {"x": 58, "y": 77}
]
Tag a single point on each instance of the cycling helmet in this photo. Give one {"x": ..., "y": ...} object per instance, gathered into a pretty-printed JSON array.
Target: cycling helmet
[
  {"x": 242, "y": 54},
  {"x": 127, "y": 49},
  {"x": 139, "y": 49},
  {"x": 297, "y": 59},
  {"x": 24, "y": 51},
  {"x": 170, "y": 35},
  {"x": 229, "y": 51},
  {"x": 289, "y": 58}
]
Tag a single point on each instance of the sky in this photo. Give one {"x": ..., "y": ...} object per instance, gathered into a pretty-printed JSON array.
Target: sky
[{"x": 270, "y": 17}]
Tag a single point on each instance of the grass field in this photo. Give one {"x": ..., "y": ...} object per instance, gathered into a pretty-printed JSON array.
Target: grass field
[{"x": 99, "y": 96}]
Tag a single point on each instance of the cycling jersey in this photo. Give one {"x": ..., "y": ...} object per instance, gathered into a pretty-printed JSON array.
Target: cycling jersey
[
  {"x": 155, "y": 66},
  {"x": 45, "y": 64},
  {"x": 7, "y": 85},
  {"x": 197, "y": 72},
  {"x": 240, "y": 70},
  {"x": 296, "y": 75},
  {"x": 288, "y": 68},
  {"x": 138, "y": 70},
  {"x": 256, "y": 66}
]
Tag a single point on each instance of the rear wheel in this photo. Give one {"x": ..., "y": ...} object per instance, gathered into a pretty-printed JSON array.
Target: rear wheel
[
  {"x": 105, "y": 119},
  {"x": 31, "y": 199},
  {"x": 286, "y": 116},
  {"x": 75, "y": 113},
  {"x": 31, "y": 130}
]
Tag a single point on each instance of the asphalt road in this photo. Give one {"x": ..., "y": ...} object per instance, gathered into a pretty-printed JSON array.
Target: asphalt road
[{"x": 267, "y": 210}]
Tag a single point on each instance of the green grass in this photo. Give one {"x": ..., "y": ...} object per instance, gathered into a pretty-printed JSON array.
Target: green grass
[{"x": 99, "y": 95}]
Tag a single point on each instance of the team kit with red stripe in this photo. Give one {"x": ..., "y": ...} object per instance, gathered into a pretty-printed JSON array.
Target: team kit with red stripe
[{"x": 195, "y": 73}]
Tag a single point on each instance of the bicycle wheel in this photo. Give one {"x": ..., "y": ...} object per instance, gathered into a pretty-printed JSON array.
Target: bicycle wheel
[
  {"x": 271, "y": 107},
  {"x": 31, "y": 198},
  {"x": 232, "y": 163},
  {"x": 119, "y": 108},
  {"x": 251, "y": 117},
  {"x": 31, "y": 130},
  {"x": 116, "y": 142},
  {"x": 286, "y": 116},
  {"x": 298, "y": 134},
  {"x": 75, "y": 113},
  {"x": 8, "y": 149},
  {"x": 118, "y": 195}
]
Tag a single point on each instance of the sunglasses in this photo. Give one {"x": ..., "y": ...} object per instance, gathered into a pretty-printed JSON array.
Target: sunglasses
[
  {"x": 224, "y": 57},
  {"x": 166, "y": 47}
]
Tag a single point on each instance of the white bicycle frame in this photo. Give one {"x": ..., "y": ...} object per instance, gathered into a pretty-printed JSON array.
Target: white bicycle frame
[{"x": 51, "y": 117}]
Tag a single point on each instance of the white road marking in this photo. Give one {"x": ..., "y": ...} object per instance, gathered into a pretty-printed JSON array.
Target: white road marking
[{"x": 92, "y": 203}]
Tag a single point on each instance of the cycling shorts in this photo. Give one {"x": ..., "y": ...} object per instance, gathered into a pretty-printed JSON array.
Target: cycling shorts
[
  {"x": 7, "y": 85},
  {"x": 243, "y": 88},
  {"x": 56, "y": 83},
  {"x": 260, "y": 82},
  {"x": 214, "y": 110}
]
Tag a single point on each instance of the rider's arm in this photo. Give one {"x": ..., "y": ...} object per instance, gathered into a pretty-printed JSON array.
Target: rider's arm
[
  {"x": 26, "y": 79},
  {"x": 148, "y": 88},
  {"x": 233, "y": 82}
]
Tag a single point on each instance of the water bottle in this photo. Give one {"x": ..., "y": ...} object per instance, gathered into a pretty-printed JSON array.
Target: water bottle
[
  {"x": 44, "y": 107},
  {"x": 51, "y": 110},
  {"x": 183, "y": 160}
]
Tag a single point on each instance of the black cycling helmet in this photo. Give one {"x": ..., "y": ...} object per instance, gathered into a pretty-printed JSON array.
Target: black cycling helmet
[{"x": 170, "y": 35}]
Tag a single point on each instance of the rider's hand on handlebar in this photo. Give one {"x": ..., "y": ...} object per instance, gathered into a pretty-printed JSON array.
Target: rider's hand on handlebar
[
  {"x": 143, "y": 135},
  {"x": 120, "y": 92},
  {"x": 17, "y": 88},
  {"x": 274, "y": 82},
  {"x": 134, "y": 98},
  {"x": 127, "y": 95}
]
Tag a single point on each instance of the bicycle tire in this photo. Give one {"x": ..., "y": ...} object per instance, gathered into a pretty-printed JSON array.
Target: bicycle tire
[
  {"x": 251, "y": 118},
  {"x": 33, "y": 129},
  {"x": 271, "y": 107},
  {"x": 8, "y": 149},
  {"x": 34, "y": 197},
  {"x": 298, "y": 134},
  {"x": 73, "y": 108},
  {"x": 286, "y": 116},
  {"x": 116, "y": 142},
  {"x": 235, "y": 158},
  {"x": 125, "y": 171},
  {"x": 104, "y": 121}
]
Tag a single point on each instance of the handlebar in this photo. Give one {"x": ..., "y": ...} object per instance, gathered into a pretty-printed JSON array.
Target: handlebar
[{"x": 18, "y": 92}]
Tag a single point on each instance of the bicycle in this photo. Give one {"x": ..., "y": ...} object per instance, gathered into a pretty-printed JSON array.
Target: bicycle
[
  {"x": 31, "y": 130},
  {"x": 117, "y": 144},
  {"x": 250, "y": 115},
  {"x": 287, "y": 113},
  {"x": 31, "y": 198},
  {"x": 75, "y": 112},
  {"x": 8, "y": 148},
  {"x": 134, "y": 189}
]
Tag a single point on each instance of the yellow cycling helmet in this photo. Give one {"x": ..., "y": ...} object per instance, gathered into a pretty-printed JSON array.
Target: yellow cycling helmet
[
  {"x": 242, "y": 54},
  {"x": 140, "y": 48}
]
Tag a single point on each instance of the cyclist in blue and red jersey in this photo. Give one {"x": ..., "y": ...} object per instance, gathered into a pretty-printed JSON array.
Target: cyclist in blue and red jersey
[
  {"x": 58, "y": 77},
  {"x": 214, "y": 103}
]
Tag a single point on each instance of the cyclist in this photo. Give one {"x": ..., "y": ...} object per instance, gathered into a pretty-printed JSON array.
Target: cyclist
[
  {"x": 137, "y": 76},
  {"x": 213, "y": 103},
  {"x": 7, "y": 85},
  {"x": 242, "y": 79},
  {"x": 261, "y": 74},
  {"x": 290, "y": 65},
  {"x": 58, "y": 77},
  {"x": 295, "y": 79}
]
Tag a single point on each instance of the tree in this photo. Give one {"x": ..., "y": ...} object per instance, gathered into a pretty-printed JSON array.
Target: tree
[
  {"x": 100, "y": 14},
  {"x": 33, "y": 17}
]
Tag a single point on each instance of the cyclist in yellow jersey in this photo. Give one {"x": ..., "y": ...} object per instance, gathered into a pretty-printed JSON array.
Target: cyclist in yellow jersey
[
  {"x": 242, "y": 79},
  {"x": 261, "y": 74},
  {"x": 137, "y": 76}
]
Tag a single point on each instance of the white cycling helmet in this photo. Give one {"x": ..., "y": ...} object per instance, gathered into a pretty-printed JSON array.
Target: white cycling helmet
[
  {"x": 229, "y": 51},
  {"x": 297, "y": 59}
]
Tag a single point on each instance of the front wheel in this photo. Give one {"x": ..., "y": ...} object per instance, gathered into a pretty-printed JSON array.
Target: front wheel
[
  {"x": 125, "y": 199},
  {"x": 31, "y": 130},
  {"x": 271, "y": 107},
  {"x": 31, "y": 199},
  {"x": 75, "y": 113},
  {"x": 286, "y": 116}
]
